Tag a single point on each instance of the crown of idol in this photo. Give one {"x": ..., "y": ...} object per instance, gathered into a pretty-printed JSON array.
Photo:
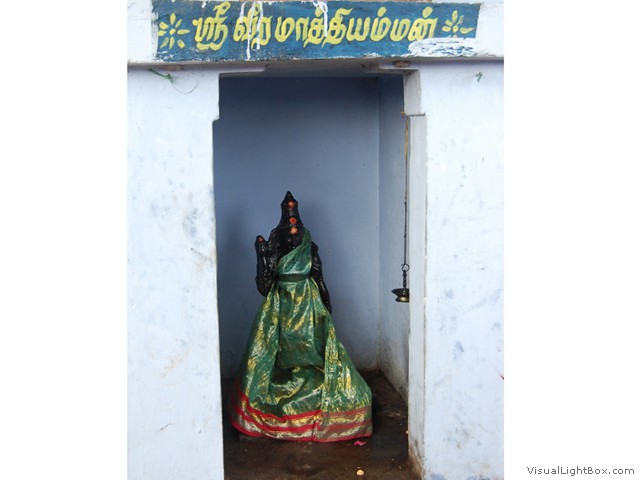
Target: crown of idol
[{"x": 291, "y": 218}]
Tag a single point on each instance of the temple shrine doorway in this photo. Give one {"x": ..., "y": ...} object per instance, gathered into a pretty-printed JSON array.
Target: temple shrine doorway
[{"x": 338, "y": 140}]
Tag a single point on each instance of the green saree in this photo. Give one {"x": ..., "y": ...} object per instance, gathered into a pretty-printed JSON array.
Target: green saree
[{"x": 296, "y": 380}]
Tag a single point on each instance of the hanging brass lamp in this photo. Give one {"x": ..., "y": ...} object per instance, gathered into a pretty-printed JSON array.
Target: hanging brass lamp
[{"x": 402, "y": 294}]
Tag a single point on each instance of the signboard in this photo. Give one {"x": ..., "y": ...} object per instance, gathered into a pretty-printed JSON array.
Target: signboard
[{"x": 245, "y": 31}]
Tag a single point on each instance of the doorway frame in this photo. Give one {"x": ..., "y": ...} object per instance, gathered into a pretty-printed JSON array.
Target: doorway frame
[{"x": 417, "y": 202}]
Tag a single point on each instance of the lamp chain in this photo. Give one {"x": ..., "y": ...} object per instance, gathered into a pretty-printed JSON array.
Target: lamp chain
[{"x": 405, "y": 266}]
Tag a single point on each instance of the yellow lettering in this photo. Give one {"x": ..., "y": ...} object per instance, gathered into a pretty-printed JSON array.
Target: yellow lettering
[
  {"x": 256, "y": 29},
  {"x": 212, "y": 28},
  {"x": 284, "y": 28},
  {"x": 302, "y": 28},
  {"x": 357, "y": 35},
  {"x": 424, "y": 27},
  {"x": 400, "y": 29},
  {"x": 316, "y": 31},
  {"x": 337, "y": 30},
  {"x": 253, "y": 27},
  {"x": 241, "y": 29},
  {"x": 263, "y": 35},
  {"x": 381, "y": 25}
]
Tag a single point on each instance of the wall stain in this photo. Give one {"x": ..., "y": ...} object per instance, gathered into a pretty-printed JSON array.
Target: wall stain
[
  {"x": 458, "y": 350},
  {"x": 174, "y": 362},
  {"x": 189, "y": 223},
  {"x": 496, "y": 296},
  {"x": 437, "y": 476},
  {"x": 201, "y": 259}
]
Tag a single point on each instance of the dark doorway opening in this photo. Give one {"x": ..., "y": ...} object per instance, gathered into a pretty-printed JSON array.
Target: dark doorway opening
[{"x": 337, "y": 143}]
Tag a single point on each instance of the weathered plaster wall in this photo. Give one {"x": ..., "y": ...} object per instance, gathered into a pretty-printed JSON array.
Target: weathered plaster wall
[
  {"x": 174, "y": 411},
  {"x": 463, "y": 404}
]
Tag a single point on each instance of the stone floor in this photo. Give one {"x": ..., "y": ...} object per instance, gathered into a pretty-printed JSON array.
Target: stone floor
[{"x": 383, "y": 456}]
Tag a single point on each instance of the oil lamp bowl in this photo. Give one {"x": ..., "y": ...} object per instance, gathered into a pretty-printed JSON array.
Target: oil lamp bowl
[{"x": 402, "y": 294}]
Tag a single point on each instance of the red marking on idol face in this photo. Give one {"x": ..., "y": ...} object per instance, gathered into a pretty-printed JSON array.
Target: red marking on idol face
[
  {"x": 293, "y": 220},
  {"x": 291, "y": 204}
]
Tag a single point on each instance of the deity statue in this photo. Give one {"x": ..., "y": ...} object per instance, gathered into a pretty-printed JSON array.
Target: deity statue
[{"x": 296, "y": 380}]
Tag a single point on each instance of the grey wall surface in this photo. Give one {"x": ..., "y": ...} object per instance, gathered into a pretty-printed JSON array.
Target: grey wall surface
[
  {"x": 318, "y": 138},
  {"x": 393, "y": 333}
]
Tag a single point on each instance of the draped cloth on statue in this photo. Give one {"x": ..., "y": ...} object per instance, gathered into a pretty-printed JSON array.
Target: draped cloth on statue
[{"x": 296, "y": 380}]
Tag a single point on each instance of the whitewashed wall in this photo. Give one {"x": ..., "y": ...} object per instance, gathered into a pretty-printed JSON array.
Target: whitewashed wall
[
  {"x": 463, "y": 404},
  {"x": 174, "y": 411}
]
